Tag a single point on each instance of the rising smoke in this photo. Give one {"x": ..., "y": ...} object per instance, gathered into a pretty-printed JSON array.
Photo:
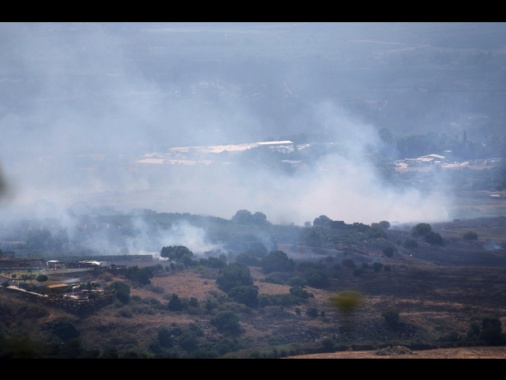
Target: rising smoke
[{"x": 82, "y": 103}]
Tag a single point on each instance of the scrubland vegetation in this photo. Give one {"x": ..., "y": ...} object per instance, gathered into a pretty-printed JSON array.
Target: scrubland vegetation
[{"x": 324, "y": 287}]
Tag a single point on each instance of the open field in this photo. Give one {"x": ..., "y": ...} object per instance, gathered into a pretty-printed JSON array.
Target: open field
[{"x": 441, "y": 353}]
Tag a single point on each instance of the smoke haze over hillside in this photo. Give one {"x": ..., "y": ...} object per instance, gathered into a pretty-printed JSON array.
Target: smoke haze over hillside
[{"x": 81, "y": 102}]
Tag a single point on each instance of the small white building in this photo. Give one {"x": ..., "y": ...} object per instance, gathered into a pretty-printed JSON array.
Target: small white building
[{"x": 54, "y": 264}]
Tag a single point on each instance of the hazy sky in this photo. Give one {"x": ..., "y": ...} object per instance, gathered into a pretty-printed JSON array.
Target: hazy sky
[{"x": 80, "y": 102}]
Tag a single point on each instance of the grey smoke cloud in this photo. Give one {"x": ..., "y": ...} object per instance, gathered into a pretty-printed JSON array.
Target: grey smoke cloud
[
  {"x": 83, "y": 102},
  {"x": 146, "y": 239}
]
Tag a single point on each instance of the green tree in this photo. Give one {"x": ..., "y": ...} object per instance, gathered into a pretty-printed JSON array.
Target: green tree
[
  {"x": 317, "y": 278},
  {"x": 188, "y": 341},
  {"x": 227, "y": 322},
  {"x": 312, "y": 312},
  {"x": 175, "y": 303},
  {"x": 322, "y": 221},
  {"x": 433, "y": 238},
  {"x": 421, "y": 229},
  {"x": 140, "y": 276},
  {"x": 259, "y": 218},
  {"x": 491, "y": 331},
  {"x": 301, "y": 293},
  {"x": 245, "y": 294},
  {"x": 225, "y": 345},
  {"x": 164, "y": 337},
  {"x": 277, "y": 261},
  {"x": 328, "y": 345},
  {"x": 193, "y": 302},
  {"x": 234, "y": 274},
  {"x": 384, "y": 224},
  {"x": 242, "y": 217},
  {"x": 376, "y": 232},
  {"x": 210, "y": 305},
  {"x": 178, "y": 253},
  {"x": 42, "y": 278},
  {"x": 65, "y": 330},
  {"x": 296, "y": 281},
  {"x": 122, "y": 291},
  {"x": 391, "y": 318},
  {"x": 257, "y": 249}
]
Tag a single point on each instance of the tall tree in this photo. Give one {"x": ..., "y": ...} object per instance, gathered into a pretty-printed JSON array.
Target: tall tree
[
  {"x": 234, "y": 274},
  {"x": 421, "y": 229},
  {"x": 227, "y": 322},
  {"x": 175, "y": 303},
  {"x": 277, "y": 261}
]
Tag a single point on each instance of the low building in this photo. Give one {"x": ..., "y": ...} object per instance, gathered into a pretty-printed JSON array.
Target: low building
[{"x": 54, "y": 264}]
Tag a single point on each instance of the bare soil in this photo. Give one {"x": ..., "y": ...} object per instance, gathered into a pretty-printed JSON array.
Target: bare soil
[{"x": 442, "y": 353}]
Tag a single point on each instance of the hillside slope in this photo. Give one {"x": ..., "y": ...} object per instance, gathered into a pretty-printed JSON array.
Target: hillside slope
[{"x": 439, "y": 294}]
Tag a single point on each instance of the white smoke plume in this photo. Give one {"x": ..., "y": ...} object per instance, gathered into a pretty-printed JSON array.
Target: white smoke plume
[{"x": 82, "y": 102}]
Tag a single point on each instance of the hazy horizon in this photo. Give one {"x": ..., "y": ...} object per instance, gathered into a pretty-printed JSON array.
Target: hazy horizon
[{"x": 81, "y": 102}]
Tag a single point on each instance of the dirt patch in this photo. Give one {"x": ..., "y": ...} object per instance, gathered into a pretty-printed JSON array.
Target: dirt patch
[
  {"x": 405, "y": 353},
  {"x": 187, "y": 284}
]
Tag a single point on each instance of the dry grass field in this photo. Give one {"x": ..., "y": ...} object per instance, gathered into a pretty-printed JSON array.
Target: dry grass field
[
  {"x": 442, "y": 353},
  {"x": 441, "y": 298}
]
